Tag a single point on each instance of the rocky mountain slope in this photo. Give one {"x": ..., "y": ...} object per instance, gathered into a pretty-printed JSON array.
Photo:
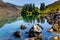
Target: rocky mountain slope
[{"x": 8, "y": 12}]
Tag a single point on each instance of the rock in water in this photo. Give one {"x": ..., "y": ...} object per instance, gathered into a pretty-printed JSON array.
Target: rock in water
[
  {"x": 55, "y": 38},
  {"x": 50, "y": 30},
  {"x": 35, "y": 31},
  {"x": 56, "y": 27},
  {"x": 23, "y": 27},
  {"x": 37, "y": 28},
  {"x": 17, "y": 34}
]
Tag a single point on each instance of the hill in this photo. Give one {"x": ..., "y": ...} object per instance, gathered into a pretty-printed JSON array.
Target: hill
[
  {"x": 8, "y": 12},
  {"x": 53, "y": 7}
]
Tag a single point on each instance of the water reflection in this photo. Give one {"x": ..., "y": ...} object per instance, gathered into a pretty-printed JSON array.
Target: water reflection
[
  {"x": 6, "y": 20},
  {"x": 33, "y": 17}
]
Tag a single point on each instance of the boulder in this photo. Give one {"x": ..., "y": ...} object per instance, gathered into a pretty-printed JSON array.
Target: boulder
[
  {"x": 51, "y": 21},
  {"x": 50, "y": 30},
  {"x": 39, "y": 37},
  {"x": 56, "y": 27},
  {"x": 55, "y": 38},
  {"x": 35, "y": 30},
  {"x": 23, "y": 27},
  {"x": 17, "y": 34}
]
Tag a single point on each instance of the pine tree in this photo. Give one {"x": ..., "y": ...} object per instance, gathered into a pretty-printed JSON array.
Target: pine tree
[{"x": 42, "y": 7}]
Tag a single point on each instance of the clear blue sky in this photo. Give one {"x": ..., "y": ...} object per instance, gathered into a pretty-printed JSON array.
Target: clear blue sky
[{"x": 37, "y": 2}]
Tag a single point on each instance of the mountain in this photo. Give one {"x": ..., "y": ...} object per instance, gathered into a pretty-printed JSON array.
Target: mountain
[
  {"x": 53, "y": 6},
  {"x": 8, "y": 12}
]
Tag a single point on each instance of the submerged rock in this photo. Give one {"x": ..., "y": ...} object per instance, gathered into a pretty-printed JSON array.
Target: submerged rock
[
  {"x": 35, "y": 31},
  {"x": 23, "y": 27},
  {"x": 17, "y": 34}
]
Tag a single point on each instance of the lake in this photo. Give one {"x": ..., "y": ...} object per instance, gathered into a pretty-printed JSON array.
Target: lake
[{"x": 7, "y": 30}]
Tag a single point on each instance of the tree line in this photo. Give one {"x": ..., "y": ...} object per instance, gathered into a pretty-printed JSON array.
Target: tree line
[{"x": 31, "y": 8}]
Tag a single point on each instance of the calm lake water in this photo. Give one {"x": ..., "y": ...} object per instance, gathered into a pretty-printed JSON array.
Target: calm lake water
[{"x": 6, "y": 32}]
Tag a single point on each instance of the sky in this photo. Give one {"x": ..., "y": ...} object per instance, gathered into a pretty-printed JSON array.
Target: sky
[{"x": 36, "y": 2}]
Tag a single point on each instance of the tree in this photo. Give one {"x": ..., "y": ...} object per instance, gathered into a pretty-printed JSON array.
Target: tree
[
  {"x": 30, "y": 7},
  {"x": 42, "y": 7},
  {"x": 33, "y": 6}
]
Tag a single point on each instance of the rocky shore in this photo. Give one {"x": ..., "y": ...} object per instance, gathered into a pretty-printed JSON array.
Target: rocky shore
[{"x": 54, "y": 19}]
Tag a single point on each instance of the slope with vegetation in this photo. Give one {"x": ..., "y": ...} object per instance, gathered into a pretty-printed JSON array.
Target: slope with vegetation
[{"x": 52, "y": 7}]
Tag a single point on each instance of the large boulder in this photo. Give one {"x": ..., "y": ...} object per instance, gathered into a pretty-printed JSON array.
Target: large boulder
[
  {"x": 35, "y": 30},
  {"x": 17, "y": 34}
]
